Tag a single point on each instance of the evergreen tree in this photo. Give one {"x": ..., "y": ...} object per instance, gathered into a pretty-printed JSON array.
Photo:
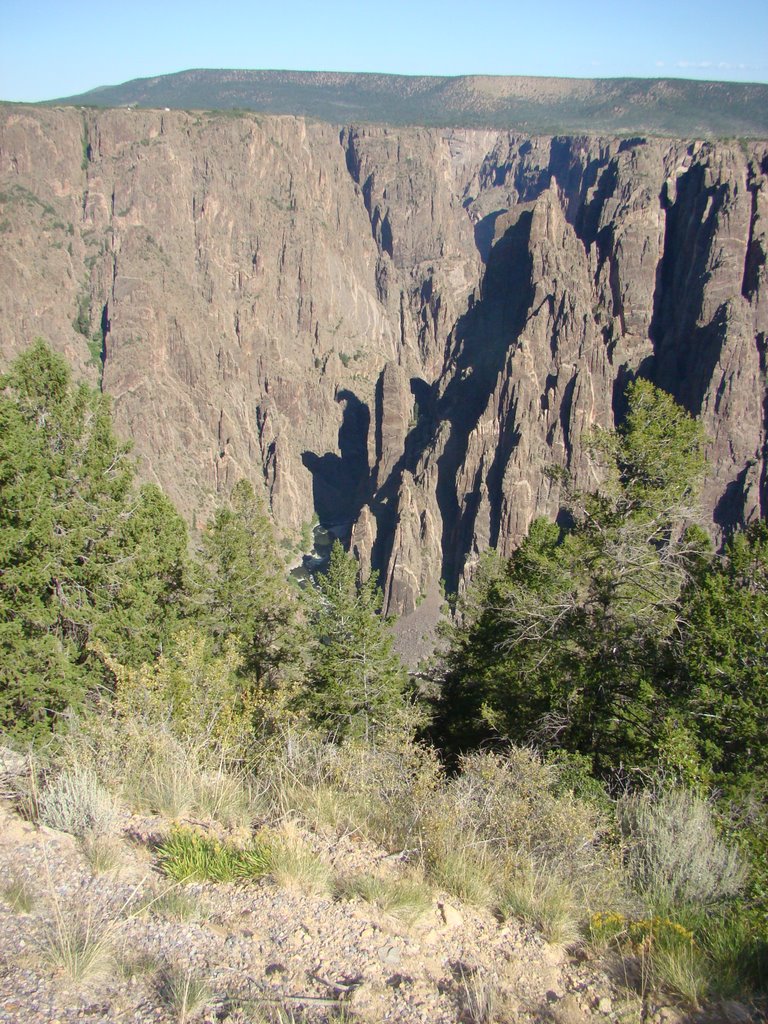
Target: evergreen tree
[
  {"x": 71, "y": 544},
  {"x": 151, "y": 580},
  {"x": 356, "y": 680},
  {"x": 244, "y": 591},
  {"x": 725, "y": 658},
  {"x": 571, "y": 642}
]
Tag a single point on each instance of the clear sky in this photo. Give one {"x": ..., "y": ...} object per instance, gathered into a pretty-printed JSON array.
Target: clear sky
[{"x": 52, "y": 48}]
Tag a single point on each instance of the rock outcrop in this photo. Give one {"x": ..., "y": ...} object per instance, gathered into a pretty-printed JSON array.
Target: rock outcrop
[{"x": 398, "y": 329}]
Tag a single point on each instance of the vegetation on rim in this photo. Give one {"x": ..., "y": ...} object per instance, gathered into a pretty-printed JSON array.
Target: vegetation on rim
[{"x": 620, "y": 644}]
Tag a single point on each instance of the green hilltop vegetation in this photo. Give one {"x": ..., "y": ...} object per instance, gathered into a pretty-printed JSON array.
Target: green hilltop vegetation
[
  {"x": 590, "y": 757},
  {"x": 679, "y": 108}
]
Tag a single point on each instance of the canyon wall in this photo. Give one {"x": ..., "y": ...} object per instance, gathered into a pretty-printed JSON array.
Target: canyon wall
[{"x": 396, "y": 329}]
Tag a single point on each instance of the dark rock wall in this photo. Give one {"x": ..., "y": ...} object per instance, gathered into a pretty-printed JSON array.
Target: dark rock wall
[{"x": 398, "y": 328}]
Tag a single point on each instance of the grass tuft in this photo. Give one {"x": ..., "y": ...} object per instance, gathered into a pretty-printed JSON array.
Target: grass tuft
[
  {"x": 479, "y": 997},
  {"x": 465, "y": 872},
  {"x": 535, "y": 894},
  {"x": 78, "y": 947},
  {"x": 294, "y": 865},
  {"x": 102, "y": 853},
  {"x": 188, "y": 856},
  {"x": 19, "y": 895},
  {"x": 407, "y": 898},
  {"x": 173, "y": 904},
  {"x": 181, "y": 992}
]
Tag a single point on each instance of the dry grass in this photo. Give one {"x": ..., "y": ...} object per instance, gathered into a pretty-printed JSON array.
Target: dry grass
[
  {"x": 407, "y": 898},
  {"x": 75, "y": 944},
  {"x": 181, "y": 992},
  {"x": 103, "y": 853},
  {"x": 19, "y": 894},
  {"x": 466, "y": 871},
  {"x": 535, "y": 894},
  {"x": 294, "y": 865},
  {"x": 173, "y": 904},
  {"x": 479, "y": 997}
]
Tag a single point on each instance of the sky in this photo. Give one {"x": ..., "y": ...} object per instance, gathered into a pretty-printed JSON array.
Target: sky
[{"x": 54, "y": 48}]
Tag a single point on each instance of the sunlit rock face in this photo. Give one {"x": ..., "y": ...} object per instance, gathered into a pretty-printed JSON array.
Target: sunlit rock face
[{"x": 396, "y": 329}]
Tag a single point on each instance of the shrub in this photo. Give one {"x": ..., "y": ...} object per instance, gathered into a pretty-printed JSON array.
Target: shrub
[
  {"x": 76, "y": 802},
  {"x": 674, "y": 855},
  {"x": 157, "y": 771},
  {"x": 382, "y": 791},
  {"x": 504, "y": 811}
]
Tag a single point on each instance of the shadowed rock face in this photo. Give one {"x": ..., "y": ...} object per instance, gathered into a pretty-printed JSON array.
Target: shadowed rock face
[{"x": 398, "y": 328}]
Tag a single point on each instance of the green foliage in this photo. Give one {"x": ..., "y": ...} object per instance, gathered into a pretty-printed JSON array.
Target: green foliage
[
  {"x": 188, "y": 856},
  {"x": 82, "y": 557},
  {"x": 356, "y": 681},
  {"x": 189, "y": 691},
  {"x": 725, "y": 659},
  {"x": 566, "y": 643},
  {"x": 82, "y": 320},
  {"x": 244, "y": 595}
]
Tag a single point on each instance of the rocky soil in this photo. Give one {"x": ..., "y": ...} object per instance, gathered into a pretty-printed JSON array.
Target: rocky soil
[{"x": 259, "y": 947}]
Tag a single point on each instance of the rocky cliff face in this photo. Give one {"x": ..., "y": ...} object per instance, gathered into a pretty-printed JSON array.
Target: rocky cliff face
[{"x": 397, "y": 329}]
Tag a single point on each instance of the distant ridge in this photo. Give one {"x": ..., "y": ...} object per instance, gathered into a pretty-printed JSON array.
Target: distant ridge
[{"x": 623, "y": 106}]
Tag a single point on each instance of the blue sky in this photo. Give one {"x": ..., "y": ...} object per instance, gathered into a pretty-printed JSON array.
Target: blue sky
[{"x": 51, "y": 48}]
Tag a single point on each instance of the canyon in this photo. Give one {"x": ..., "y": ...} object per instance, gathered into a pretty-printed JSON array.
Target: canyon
[{"x": 396, "y": 330}]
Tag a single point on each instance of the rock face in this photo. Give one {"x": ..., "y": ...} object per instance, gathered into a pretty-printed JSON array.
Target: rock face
[{"x": 398, "y": 329}]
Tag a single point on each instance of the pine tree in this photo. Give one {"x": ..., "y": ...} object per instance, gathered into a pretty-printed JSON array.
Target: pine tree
[
  {"x": 571, "y": 642},
  {"x": 244, "y": 591},
  {"x": 71, "y": 544},
  {"x": 356, "y": 680},
  {"x": 725, "y": 659}
]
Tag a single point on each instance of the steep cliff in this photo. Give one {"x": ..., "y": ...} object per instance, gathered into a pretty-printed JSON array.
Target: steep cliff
[{"x": 399, "y": 329}]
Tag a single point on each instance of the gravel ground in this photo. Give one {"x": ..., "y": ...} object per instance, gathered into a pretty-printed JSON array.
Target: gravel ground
[{"x": 259, "y": 947}]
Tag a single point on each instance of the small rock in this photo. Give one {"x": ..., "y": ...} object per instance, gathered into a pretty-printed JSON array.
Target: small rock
[
  {"x": 451, "y": 916},
  {"x": 389, "y": 955},
  {"x": 604, "y": 1005}
]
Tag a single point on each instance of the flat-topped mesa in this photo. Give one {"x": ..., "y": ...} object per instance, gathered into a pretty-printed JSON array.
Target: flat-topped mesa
[
  {"x": 398, "y": 329},
  {"x": 673, "y": 107}
]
